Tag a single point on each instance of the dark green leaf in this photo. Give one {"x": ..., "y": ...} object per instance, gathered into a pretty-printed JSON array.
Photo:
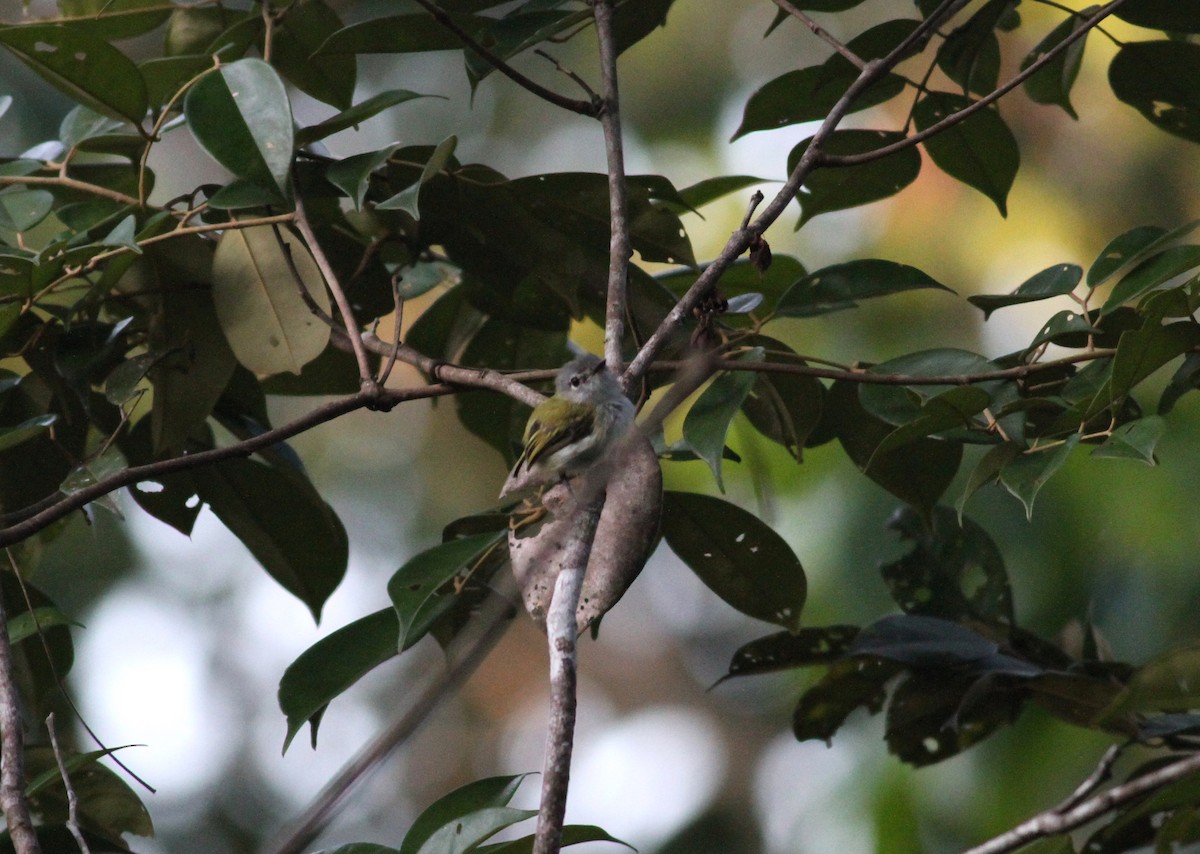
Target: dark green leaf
[
  {"x": 422, "y": 589},
  {"x": 489, "y": 793},
  {"x": 395, "y": 34},
  {"x": 922, "y": 641},
  {"x": 709, "y": 190},
  {"x": 1142, "y": 352},
  {"x": 354, "y": 116},
  {"x": 279, "y": 516},
  {"x": 17, "y": 434},
  {"x": 954, "y": 570},
  {"x": 170, "y": 498},
  {"x": 980, "y": 151},
  {"x": 1180, "y": 16},
  {"x": 572, "y": 834},
  {"x": 785, "y": 408},
  {"x": 1185, "y": 379},
  {"x": 1161, "y": 80},
  {"x": 1058, "y": 280},
  {"x": 849, "y": 684},
  {"x": 241, "y": 115},
  {"x": 331, "y": 665},
  {"x": 837, "y": 287},
  {"x": 1024, "y": 476},
  {"x": 1169, "y": 683},
  {"x": 329, "y": 78},
  {"x": 1134, "y": 441},
  {"x": 1151, "y": 273},
  {"x": 740, "y": 558},
  {"x": 352, "y": 175},
  {"x": 986, "y": 471},
  {"x": 1052, "y": 84},
  {"x": 21, "y": 210},
  {"x": 408, "y": 199},
  {"x": 193, "y": 29},
  {"x": 84, "y": 66},
  {"x": 1121, "y": 250},
  {"x": 1064, "y": 328},
  {"x": 634, "y": 21},
  {"x": 970, "y": 55},
  {"x": 851, "y": 186},
  {"x": 785, "y": 650},
  {"x": 112, "y": 20},
  {"x": 947, "y": 411},
  {"x": 107, "y": 805},
  {"x": 707, "y": 422},
  {"x": 918, "y": 473}
]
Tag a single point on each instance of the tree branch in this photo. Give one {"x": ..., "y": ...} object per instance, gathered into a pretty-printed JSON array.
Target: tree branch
[
  {"x": 619, "y": 248},
  {"x": 584, "y": 108},
  {"x": 72, "y": 798},
  {"x": 12, "y": 752},
  {"x": 1054, "y": 821},
  {"x": 821, "y": 33},
  {"x": 69, "y": 184},
  {"x": 562, "y": 636},
  {"x": 984, "y": 102}
]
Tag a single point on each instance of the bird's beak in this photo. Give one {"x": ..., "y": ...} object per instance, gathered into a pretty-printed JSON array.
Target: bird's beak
[{"x": 601, "y": 365}]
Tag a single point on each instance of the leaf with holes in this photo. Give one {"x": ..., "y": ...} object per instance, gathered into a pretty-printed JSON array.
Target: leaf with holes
[
  {"x": 740, "y": 558},
  {"x": 1161, "y": 80},
  {"x": 88, "y": 69}
]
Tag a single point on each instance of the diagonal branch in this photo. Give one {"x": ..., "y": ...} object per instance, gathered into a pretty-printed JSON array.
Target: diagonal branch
[
  {"x": 984, "y": 102},
  {"x": 584, "y": 108},
  {"x": 13, "y": 803},
  {"x": 1056, "y": 821}
]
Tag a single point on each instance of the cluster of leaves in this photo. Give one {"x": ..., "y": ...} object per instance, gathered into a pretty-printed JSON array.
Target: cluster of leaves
[{"x": 137, "y": 332}]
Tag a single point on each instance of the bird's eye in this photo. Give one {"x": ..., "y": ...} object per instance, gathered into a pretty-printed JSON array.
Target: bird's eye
[{"x": 576, "y": 381}]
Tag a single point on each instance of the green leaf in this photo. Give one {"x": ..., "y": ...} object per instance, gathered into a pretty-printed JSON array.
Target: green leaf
[
  {"x": 240, "y": 114},
  {"x": 1152, "y": 272},
  {"x": 1024, "y": 476},
  {"x": 1055, "y": 281},
  {"x": 1161, "y": 80},
  {"x": 329, "y": 78},
  {"x": 1123, "y": 249},
  {"x": 352, "y": 175},
  {"x": 1052, "y": 84},
  {"x": 28, "y": 624},
  {"x": 986, "y": 471},
  {"x": 918, "y": 473},
  {"x": 35, "y": 426},
  {"x": 710, "y": 189},
  {"x": 707, "y": 422},
  {"x": 112, "y": 20},
  {"x": 1186, "y": 378},
  {"x": 396, "y": 34},
  {"x": 1141, "y": 352},
  {"x": 1064, "y": 328},
  {"x": 331, "y": 665},
  {"x": 21, "y": 210},
  {"x": 87, "y": 68},
  {"x": 901, "y": 405},
  {"x": 72, "y": 762},
  {"x": 408, "y": 199},
  {"x": 421, "y": 590},
  {"x": 837, "y": 287},
  {"x": 279, "y": 516},
  {"x": 194, "y": 29},
  {"x": 572, "y": 834},
  {"x": 107, "y": 805},
  {"x": 354, "y": 116},
  {"x": 1134, "y": 441},
  {"x": 849, "y": 684},
  {"x": 737, "y": 556},
  {"x": 808, "y": 94},
  {"x": 921, "y": 641},
  {"x": 954, "y": 570},
  {"x": 949, "y": 410},
  {"x": 970, "y": 54},
  {"x": 1169, "y": 683},
  {"x": 269, "y": 326},
  {"x": 1180, "y": 16},
  {"x": 785, "y": 408},
  {"x": 489, "y": 793},
  {"x": 980, "y": 151},
  {"x": 851, "y": 186}
]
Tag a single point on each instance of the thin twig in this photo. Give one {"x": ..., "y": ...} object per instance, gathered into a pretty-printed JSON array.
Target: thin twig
[
  {"x": 463, "y": 657},
  {"x": 584, "y": 108},
  {"x": 13, "y": 802},
  {"x": 579, "y": 81},
  {"x": 68, "y": 184},
  {"x": 968, "y": 111},
  {"x": 821, "y": 33},
  {"x": 1052, "y": 822},
  {"x": 72, "y": 798},
  {"x": 366, "y": 377},
  {"x": 135, "y": 474},
  {"x": 397, "y": 324}
]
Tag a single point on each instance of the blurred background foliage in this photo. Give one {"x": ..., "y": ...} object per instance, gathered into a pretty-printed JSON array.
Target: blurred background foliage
[{"x": 185, "y": 640}]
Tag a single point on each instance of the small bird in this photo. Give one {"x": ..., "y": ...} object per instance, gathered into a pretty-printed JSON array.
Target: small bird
[{"x": 573, "y": 429}]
